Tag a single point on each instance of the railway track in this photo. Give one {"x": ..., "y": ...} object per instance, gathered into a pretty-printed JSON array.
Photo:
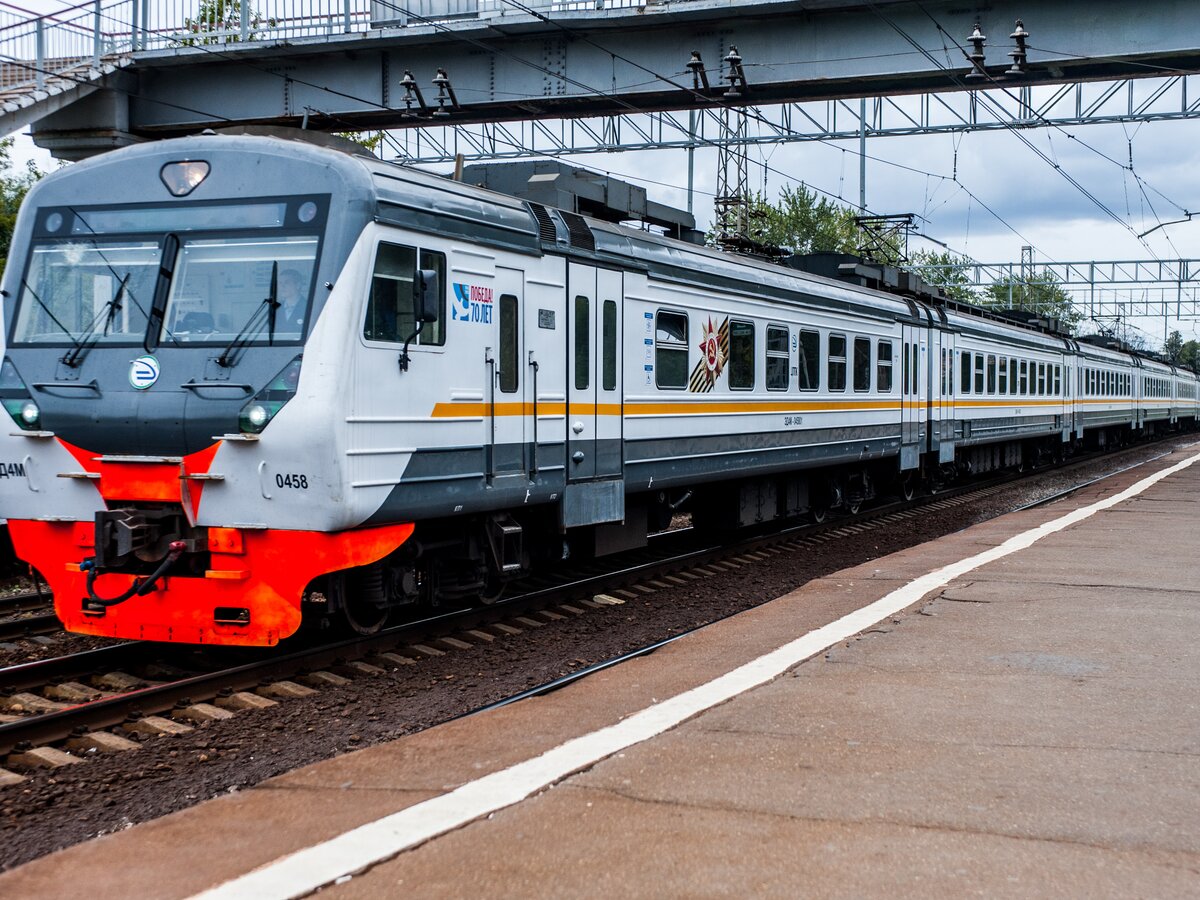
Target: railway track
[{"x": 125, "y": 686}]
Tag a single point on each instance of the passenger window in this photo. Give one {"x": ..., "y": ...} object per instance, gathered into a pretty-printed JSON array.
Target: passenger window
[
  {"x": 862, "y": 364},
  {"x": 609, "y": 316},
  {"x": 583, "y": 343},
  {"x": 777, "y": 358},
  {"x": 1058, "y": 381},
  {"x": 1002, "y": 376},
  {"x": 671, "y": 350},
  {"x": 883, "y": 375},
  {"x": 837, "y": 362},
  {"x": 1041, "y": 379},
  {"x": 809, "y": 370},
  {"x": 916, "y": 358},
  {"x": 391, "y": 306},
  {"x": 1024, "y": 378},
  {"x": 979, "y": 373},
  {"x": 509, "y": 361},
  {"x": 965, "y": 363},
  {"x": 1012, "y": 377},
  {"x": 741, "y": 356}
]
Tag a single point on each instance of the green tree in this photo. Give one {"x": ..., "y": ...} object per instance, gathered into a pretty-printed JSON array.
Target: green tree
[
  {"x": 1189, "y": 354},
  {"x": 14, "y": 185},
  {"x": 804, "y": 222},
  {"x": 220, "y": 22},
  {"x": 363, "y": 138},
  {"x": 933, "y": 267},
  {"x": 1173, "y": 347},
  {"x": 1042, "y": 292}
]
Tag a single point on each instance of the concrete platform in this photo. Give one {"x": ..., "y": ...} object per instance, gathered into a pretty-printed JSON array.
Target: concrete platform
[{"x": 1028, "y": 728}]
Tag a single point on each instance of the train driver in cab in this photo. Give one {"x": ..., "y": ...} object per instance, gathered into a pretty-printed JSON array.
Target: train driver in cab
[{"x": 292, "y": 302}]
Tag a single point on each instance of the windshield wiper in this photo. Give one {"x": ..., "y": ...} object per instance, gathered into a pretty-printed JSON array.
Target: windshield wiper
[
  {"x": 88, "y": 339},
  {"x": 231, "y": 354},
  {"x": 53, "y": 318}
]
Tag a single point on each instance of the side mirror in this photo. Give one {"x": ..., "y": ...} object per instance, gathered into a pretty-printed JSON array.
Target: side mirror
[
  {"x": 427, "y": 306},
  {"x": 428, "y": 297}
]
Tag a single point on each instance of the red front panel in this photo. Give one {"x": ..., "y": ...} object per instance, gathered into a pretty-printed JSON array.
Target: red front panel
[{"x": 264, "y": 571}]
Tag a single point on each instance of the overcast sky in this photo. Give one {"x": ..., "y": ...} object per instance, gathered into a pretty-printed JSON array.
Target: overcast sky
[{"x": 1037, "y": 204}]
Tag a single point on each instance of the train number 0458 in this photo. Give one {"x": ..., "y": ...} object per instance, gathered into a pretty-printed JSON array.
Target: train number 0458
[{"x": 299, "y": 482}]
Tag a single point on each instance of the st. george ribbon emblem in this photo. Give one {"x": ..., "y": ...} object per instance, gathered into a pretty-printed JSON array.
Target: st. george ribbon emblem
[{"x": 714, "y": 344}]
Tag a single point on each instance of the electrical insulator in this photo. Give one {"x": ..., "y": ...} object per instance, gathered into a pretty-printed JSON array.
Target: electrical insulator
[
  {"x": 977, "y": 40},
  {"x": 1020, "y": 53}
]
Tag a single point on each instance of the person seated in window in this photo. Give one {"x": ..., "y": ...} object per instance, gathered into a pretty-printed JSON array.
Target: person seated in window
[{"x": 292, "y": 302}]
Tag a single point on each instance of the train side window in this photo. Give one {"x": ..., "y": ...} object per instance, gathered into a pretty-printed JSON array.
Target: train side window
[
  {"x": 837, "y": 362},
  {"x": 904, "y": 362},
  {"x": 991, "y": 374},
  {"x": 965, "y": 365},
  {"x": 979, "y": 373},
  {"x": 914, "y": 369},
  {"x": 1041, "y": 382},
  {"x": 777, "y": 358},
  {"x": 1058, "y": 381},
  {"x": 390, "y": 307},
  {"x": 583, "y": 343},
  {"x": 741, "y": 356},
  {"x": 609, "y": 325},
  {"x": 1024, "y": 378},
  {"x": 862, "y": 364},
  {"x": 883, "y": 375},
  {"x": 671, "y": 350},
  {"x": 809, "y": 369},
  {"x": 509, "y": 349},
  {"x": 1002, "y": 375}
]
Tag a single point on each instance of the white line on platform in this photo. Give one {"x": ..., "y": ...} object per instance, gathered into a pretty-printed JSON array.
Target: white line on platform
[{"x": 307, "y": 870}]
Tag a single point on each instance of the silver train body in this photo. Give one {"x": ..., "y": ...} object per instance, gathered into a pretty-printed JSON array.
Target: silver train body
[{"x": 202, "y": 363}]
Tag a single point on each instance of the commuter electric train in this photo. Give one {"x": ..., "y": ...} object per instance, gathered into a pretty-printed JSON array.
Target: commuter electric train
[{"x": 253, "y": 380}]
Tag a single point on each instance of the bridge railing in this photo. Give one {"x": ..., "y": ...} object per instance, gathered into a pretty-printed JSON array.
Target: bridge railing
[{"x": 36, "y": 47}]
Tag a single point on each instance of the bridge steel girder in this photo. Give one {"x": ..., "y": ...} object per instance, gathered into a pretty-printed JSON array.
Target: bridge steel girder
[
  {"x": 517, "y": 67},
  {"x": 1123, "y": 102}
]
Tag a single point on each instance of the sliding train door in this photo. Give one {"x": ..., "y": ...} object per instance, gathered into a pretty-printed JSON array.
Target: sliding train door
[{"x": 595, "y": 491}]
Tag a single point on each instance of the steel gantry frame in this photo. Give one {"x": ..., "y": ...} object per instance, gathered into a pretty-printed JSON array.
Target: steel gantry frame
[
  {"x": 1099, "y": 289},
  {"x": 1128, "y": 101}
]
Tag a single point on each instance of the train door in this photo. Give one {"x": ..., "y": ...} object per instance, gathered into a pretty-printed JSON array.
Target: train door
[
  {"x": 610, "y": 418},
  {"x": 949, "y": 390},
  {"x": 594, "y": 492},
  {"x": 510, "y": 384},
  {"x": 581, "y": 373},
  {"x": 912, "y": 406}
]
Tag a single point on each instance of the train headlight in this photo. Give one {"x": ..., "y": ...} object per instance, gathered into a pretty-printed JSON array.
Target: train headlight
[
  {"x": 256, "y": 414},
  {"x": 15, "y": 397},
  {"x": 255, "y": 417},
  {"x": 181, "y": 178}
]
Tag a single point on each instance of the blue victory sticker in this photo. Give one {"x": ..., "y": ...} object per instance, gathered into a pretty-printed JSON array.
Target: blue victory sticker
[{"x": 143, "y": 372}]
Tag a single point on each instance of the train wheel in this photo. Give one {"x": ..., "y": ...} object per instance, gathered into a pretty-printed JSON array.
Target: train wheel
[
  {"x": 358, "y": 598},
  {"x": 819, "y": 514},
  {"x": 908, "y": 487},
  {"x": 854, "y": 506}
]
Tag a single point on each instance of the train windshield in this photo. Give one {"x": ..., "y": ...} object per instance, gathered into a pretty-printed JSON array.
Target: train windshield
[
  {"x": 212, "y": 272},
  {"x": 221, "y": 283},
  {"x": 73, "y": 291}
]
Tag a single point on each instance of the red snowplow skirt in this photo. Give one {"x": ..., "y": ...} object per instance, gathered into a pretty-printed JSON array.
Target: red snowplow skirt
[{"x": 249, "y": 596}]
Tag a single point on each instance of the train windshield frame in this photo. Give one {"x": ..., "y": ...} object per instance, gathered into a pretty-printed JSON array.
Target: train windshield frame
[{"x": 90, "y": 272}]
